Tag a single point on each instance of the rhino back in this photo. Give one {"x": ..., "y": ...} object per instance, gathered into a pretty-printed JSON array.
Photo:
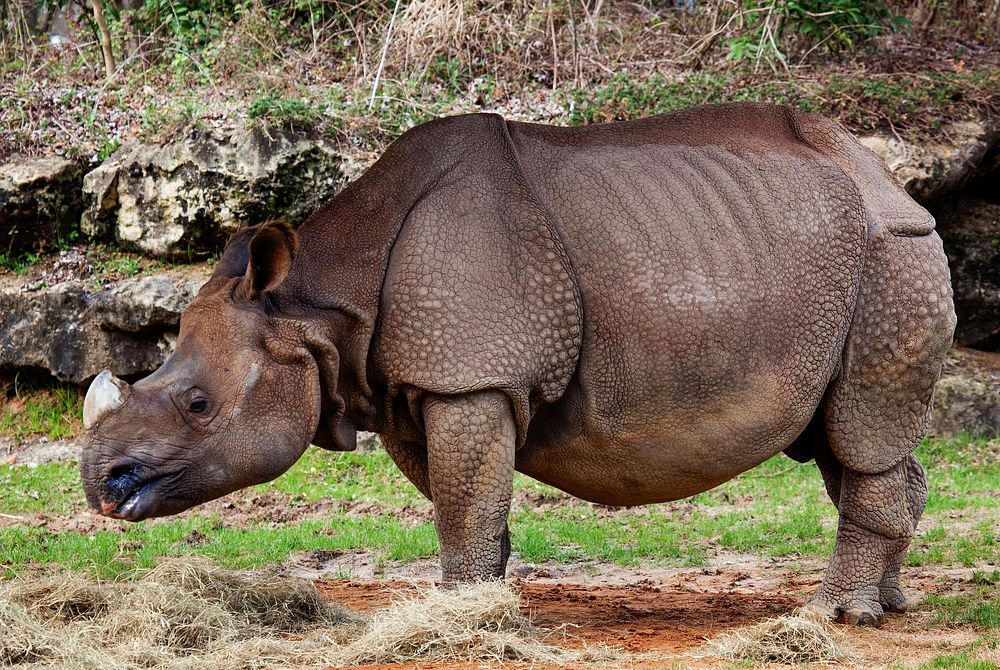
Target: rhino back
[{"x": 718, "y": 265}]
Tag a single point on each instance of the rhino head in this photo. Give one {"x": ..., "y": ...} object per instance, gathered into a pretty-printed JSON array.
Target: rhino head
[{"x": 236, "y": 403}]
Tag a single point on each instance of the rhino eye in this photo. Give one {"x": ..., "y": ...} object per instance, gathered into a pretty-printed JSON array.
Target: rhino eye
[{"x": 198, "y": 406}]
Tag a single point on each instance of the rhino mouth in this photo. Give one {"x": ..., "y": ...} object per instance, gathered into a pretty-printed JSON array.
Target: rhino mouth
[{"x": 137, "y": 498}]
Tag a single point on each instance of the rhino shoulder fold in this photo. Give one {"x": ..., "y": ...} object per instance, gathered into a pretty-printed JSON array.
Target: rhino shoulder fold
[{"x": 480, "y": 292}]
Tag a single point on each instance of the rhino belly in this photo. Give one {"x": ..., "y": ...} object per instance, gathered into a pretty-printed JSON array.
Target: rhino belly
[
  {"x": 718, "y": 291},
  {"x": 662, "y": 447}
]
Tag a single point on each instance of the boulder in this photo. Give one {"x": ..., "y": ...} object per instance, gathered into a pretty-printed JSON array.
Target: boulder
[
  {"x": 967, "y": 397},
  {"x": 970, "y": 230},
  {"x": 75, "y": 330},
  {"x": 933, "y": 169},
  {"x": 187, "y": 196},
  {"x": 40, "y": 203}
]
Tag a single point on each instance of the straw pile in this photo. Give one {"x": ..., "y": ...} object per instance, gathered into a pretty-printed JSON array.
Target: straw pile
[
  {"x": 474, "y": 622},
  {"x": 802, "y": 638},
  {"x": 186, "y": 614}
]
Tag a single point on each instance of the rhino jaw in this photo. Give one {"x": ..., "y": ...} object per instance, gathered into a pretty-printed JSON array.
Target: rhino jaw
[{"x": 106, "y": 394}]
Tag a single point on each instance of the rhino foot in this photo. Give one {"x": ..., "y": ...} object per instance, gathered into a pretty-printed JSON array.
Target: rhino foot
[
  {"x": 891, "y": 599},
  {"x": 860, "y": 616},
  {"x": 855, "y": 612}
]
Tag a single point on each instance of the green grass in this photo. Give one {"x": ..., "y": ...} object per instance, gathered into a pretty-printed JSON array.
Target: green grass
[
  {"x": 19, "y": 264},
  {"x": 280, "y": 111},
  {"x": 138, "y": 546},
  {"x": 53, "y": 488},
  {"x": 980, "y": 608},
  {"x": 916, "y": 102},
  {"x": 960, "y": 661},
  {"x": 31, "y": 409},
  {"x": 779, "y": 509}
]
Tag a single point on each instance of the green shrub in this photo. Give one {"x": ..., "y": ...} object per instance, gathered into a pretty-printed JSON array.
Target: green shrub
[{"x": 774, "y": 29}]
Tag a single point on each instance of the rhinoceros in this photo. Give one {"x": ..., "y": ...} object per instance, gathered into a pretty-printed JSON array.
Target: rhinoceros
[{"x": 632, "y": 312}]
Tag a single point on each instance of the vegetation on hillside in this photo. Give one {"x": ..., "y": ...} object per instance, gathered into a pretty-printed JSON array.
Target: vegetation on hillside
[{"x": 362, "y": 72}]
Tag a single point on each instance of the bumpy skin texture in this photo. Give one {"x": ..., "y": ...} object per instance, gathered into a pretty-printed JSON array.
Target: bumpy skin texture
[{"x": 633, "y": 313}]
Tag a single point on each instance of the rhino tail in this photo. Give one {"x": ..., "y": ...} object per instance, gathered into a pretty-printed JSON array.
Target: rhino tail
[{"x": 889, "y": 206}]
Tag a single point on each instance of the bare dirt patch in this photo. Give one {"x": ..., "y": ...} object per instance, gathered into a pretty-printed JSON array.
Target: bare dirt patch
[{"x": 665, "y": 616}]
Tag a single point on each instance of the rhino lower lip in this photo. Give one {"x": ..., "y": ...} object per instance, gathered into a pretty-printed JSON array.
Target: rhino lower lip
[
  {"x": 133, "y": 503},
  {"x": 138, "y": 504}
]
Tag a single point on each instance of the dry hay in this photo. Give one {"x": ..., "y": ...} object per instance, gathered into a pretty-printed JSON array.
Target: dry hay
[
  {"x": 802, "y": 638},
  {"x": 468, "y": 623},
  {"x": 190, "y": 614}
]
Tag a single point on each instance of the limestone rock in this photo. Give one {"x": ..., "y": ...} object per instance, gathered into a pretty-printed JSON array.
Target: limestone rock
[
  {"x": 39, "y": 202},
  {"x": 75, "y": 331},
  {"x": 933, "y": 169},
  {"x": 967, "y": 397},
  {"x": 970, "y": 230},
  {"x": 187, "y": 196}
]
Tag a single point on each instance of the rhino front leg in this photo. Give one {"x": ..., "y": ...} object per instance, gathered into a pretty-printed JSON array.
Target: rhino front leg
[
  {"x": 411, "y": 459},
  {"x": 470, "y": 459}
]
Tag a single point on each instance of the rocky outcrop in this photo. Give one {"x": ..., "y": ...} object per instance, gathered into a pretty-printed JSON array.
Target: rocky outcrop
[
  {"x": 970, "y": 230},
  {"x": 189, "y": 195},
  {"x": 75, "y": 331},
  {"x": 967, "y": 398},
  {"x": 932, "y": 169},
  {"x": 40, "y": 203}
]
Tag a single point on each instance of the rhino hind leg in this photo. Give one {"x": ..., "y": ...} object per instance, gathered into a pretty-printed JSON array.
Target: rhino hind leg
[
  {"x": 470, "y": 459},
  {"x": 891, "y": 595},
  {"x": 875, "y": 415},
  {"x": 890, "y": 592},
  {"x": 874, "y": 530}
]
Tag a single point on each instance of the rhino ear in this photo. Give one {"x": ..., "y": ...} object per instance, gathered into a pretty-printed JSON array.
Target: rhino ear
[{"x": 270, "y": 253}]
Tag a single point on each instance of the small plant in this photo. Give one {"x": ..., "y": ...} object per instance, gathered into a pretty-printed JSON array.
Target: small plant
[
  {"x": 160, "y": 121},
  {"x": 108, "y": 147},
  {"x": 19, "y": 264},
  {"x": 114, "y": 264},
  {"x": 123, "y": 266},
  {"x": 291, "y": 113}
]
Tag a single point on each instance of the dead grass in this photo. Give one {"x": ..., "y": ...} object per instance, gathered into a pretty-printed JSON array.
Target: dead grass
[
  {"x": 803, "y": 638},
  {"x": 190, "y": 614},
  {"x": 470, "y": 623}
]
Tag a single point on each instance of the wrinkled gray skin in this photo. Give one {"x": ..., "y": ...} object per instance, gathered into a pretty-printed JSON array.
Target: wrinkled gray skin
[{"x": 633, "y": 313}]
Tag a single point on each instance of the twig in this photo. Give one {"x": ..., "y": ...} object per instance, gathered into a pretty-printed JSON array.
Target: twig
[
  {"x": 596, "y": 13},
  {"x": 572, "y": 31},
  {"x": 701, "y": 46},
  {"x": 555, "y": 48},
  {"x": 779, "y": 473},
  {"x": 385, "y": 50},
  {"x": 102, "y": 25}
]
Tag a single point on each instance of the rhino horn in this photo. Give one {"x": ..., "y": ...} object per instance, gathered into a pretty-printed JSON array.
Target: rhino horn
[{"x": 106, "y": 394}]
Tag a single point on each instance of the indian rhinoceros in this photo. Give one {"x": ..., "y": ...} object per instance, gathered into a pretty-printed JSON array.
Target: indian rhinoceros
[{"x": 632, "y": 312}]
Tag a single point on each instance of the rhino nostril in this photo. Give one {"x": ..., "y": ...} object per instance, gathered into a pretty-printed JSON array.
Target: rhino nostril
[
  {"x": 120, "y": 469},
  {"x": 122, "y": 480}
]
